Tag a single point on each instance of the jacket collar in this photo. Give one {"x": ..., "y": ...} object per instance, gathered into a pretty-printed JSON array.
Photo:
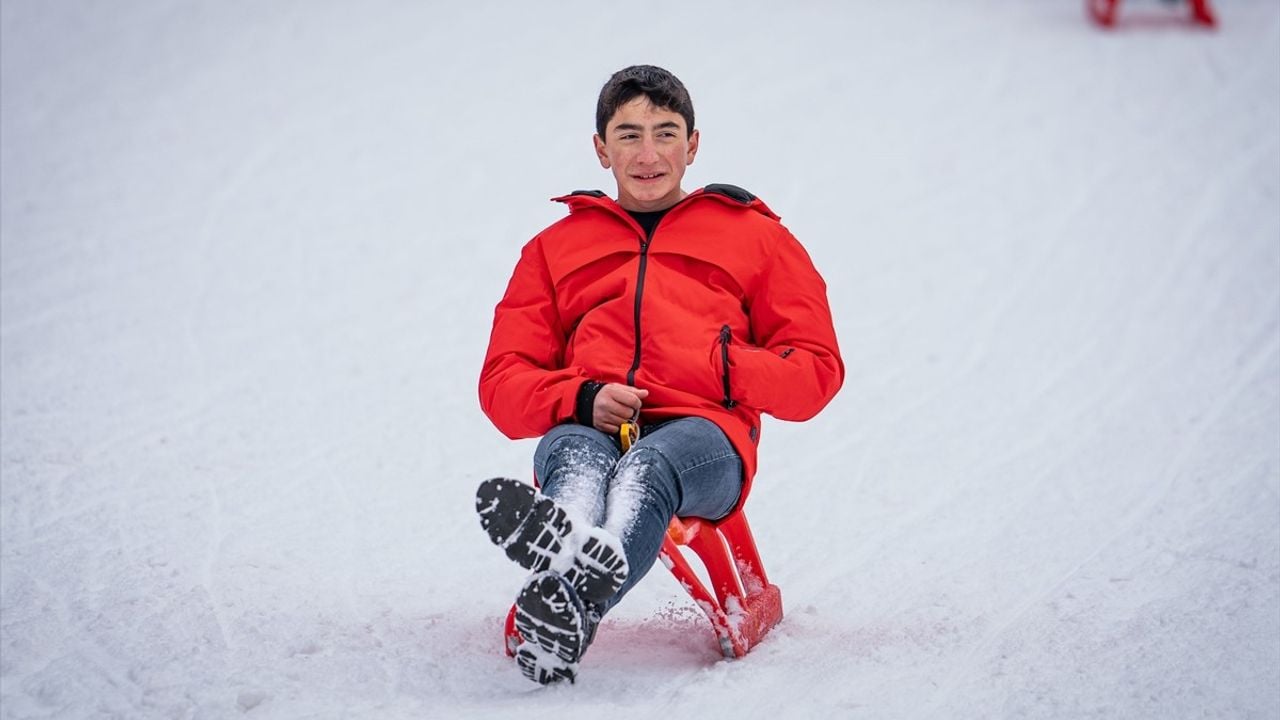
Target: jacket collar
[{"x": 595, "y": 199}]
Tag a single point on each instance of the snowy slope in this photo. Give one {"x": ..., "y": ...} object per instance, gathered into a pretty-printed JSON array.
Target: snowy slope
[{"x": 248, "y": 259}]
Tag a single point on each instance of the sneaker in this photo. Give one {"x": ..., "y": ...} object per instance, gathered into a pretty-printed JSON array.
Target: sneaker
[
  {"x": 520, "y": 520},
  {"x": 550, "y": 616},
  {"x": 533, "y": 531},
  {"x": 553, "y": 628},
  {"x": 599, "y": 567}
]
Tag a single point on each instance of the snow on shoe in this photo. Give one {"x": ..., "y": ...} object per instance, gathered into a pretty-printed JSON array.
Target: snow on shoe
[
  {"x": 534, "y": 531},
  {"x": 529, "y": 527},
  {"x": 549, "y": 615},
  {"x": 541, "y": 667},
  {"x": 599, "y": 566}
]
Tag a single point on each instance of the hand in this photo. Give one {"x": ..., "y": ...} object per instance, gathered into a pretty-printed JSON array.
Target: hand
[{"x": 616, "y": 404}]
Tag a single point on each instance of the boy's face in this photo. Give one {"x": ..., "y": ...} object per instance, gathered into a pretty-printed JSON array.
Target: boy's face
[{"x": 647, "y": 148}]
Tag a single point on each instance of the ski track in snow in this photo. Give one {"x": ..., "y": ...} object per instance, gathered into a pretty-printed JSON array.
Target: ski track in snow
[{"x": 248, "y": 260}]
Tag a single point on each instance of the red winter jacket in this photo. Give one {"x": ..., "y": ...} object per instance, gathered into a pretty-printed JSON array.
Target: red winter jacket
[{"x": 593, "y": 299}]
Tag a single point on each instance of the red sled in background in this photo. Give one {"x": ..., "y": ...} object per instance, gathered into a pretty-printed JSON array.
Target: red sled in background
[
  {"x": 1106, "y": 13},
  {"x": 742, "y": 605}
]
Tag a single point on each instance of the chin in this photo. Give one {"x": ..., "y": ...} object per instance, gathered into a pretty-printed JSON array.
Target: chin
[{"x": 652, "y": 194}]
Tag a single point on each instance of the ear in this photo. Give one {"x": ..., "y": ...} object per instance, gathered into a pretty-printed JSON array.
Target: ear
[
  {"x": 693, "y": 148},
  {"x": 601, "y": 154}
]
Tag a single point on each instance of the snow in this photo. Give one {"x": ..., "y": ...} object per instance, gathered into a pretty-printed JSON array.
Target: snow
[
  {"x": 581, "y": 478},
  {"x": 627, "y": 491},
  {"x": 248, "y": 258}
]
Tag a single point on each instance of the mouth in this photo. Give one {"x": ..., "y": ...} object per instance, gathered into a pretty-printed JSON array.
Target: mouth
[{"x": 648, "y": 177}]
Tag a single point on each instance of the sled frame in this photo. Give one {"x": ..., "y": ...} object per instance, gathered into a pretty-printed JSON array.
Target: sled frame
[{"x": 743, "y": 605}]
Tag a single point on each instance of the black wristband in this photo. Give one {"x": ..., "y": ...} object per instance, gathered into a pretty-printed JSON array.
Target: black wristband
[{"x": 584, "y": 408}]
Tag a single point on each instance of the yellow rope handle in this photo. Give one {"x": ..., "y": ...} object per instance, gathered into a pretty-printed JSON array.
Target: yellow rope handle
[{"x": 628, "y": 433}]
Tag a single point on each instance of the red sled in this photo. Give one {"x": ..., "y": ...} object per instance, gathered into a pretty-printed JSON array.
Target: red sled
[
  {"x": 742, "y": 607},
  {"x": 1106, "y": 12},
  {"x": 746, "y": 605}
]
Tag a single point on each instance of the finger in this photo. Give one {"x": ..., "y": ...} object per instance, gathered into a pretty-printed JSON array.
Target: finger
[
  {"x": 607, "y": 402},
  {"x": 618, "y": 392},
  {"x": 622, "y": 393},
  {"x": 623, "y": 410},
  {"x": 635, "y": 392},
  {"x": 603, "y": 417},
  {"x": 613, "y": 413}
]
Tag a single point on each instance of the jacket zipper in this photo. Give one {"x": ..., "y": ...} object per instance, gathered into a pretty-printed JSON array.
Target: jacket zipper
[
  {"x": 644, "y": 263},
  {"x": 726, "y": 334}
]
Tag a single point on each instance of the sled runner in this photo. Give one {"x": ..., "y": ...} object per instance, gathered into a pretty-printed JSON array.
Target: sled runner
[{"x": 742, "y": 605}]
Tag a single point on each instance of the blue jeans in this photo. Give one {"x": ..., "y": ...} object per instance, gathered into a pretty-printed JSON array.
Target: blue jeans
[{"x": 684, "y": 467}]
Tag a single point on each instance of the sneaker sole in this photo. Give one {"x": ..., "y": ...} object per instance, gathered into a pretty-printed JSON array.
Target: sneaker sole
[
  {"x": 542, "y": 669},
  {"x": 530, "y": 528},
  {"x": 599, "y": 568},
  {"x": 549, "y": 616}
]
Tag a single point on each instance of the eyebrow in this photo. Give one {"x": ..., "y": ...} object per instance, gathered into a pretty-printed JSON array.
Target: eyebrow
[{"x": 659, "y": 126}]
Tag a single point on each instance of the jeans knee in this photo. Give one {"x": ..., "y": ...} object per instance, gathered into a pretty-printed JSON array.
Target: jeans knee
[
  {"x": 647, "y": 470},
  {"x": 646, "y": 459},
  {"x": 574, "y": 445}
]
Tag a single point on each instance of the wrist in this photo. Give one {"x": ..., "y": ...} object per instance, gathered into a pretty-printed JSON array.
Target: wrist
[{"x": 584, "y": 406}]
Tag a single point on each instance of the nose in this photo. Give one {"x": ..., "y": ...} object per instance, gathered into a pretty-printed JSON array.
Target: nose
[{"x": 648, "y": 152}]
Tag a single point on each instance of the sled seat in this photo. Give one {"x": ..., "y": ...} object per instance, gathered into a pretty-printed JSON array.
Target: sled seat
[{"x": 742, "y": 605}]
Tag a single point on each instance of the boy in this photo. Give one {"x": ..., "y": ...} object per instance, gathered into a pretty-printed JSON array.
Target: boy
[{"x": 685, "y": 315}]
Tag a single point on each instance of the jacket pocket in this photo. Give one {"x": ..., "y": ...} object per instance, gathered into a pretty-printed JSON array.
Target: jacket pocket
[{"x": 726, "y": 335}]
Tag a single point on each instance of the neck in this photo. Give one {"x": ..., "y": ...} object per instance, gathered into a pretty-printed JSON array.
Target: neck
[{"x": 663, "y": 203}]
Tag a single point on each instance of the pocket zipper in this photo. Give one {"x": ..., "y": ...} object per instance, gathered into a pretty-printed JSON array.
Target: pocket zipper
[{"x": 726, "y": 334}]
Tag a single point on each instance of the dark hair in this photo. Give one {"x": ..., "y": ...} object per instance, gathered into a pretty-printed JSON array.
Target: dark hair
[{"x": 662, "y": 88}]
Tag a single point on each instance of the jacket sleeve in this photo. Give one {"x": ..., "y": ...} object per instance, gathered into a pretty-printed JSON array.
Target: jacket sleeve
[
  {"x": 794, "y": 368},
  {"x": 523, "y": 388}
]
